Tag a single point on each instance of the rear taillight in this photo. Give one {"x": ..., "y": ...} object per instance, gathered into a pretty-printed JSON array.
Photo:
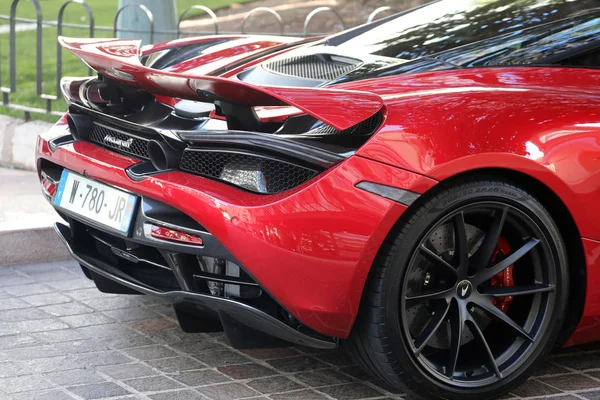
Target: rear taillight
[{"x": 173, "y": 235}]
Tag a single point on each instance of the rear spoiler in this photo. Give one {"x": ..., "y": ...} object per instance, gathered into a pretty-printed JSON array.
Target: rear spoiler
[{"x": 120, "y": 60}]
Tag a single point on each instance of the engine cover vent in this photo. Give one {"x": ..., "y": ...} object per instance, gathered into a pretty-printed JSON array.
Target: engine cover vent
[{"x": 315, "y": 66}]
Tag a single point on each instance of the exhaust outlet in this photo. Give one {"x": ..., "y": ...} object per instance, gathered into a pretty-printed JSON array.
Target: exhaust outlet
[
  {"x": 162, "y": 156},
  {"x": 79, "y": 125}
]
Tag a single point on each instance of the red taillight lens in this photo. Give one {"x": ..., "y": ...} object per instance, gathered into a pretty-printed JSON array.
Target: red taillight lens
[
  {"x": 48, "y": 186},
  {"x": 160, "y": 232}
]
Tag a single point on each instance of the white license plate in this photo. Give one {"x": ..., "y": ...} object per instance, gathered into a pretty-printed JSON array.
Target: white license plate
[{"x": 95, "y": 201}]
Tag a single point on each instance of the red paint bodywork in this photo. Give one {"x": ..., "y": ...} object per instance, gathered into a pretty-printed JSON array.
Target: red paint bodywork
[
  {"x": 309, "y": 249},
  {"x": 543, "y": 122},
  {"x": 119, "y": 59},
  {"x": 229, "y": 52},
  {"x": 234, "y": 49},
  {"x": 312, "y": 247}
]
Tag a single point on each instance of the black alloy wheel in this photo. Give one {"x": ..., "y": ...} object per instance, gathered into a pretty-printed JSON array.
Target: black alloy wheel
[{"x": 467, "y": 294}]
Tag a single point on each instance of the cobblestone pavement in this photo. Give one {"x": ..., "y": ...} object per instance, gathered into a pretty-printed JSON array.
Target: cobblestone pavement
[{"x": 60, "y": 338}]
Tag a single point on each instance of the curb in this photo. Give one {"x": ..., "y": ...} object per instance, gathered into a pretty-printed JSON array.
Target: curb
[
  {"x": 31, "y": 244},
  {"x": 17, "y": 141},
  {"x": 41, "y": 245}
]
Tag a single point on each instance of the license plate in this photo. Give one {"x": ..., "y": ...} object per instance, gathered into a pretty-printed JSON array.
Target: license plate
[{"x": 95, "y": 201}]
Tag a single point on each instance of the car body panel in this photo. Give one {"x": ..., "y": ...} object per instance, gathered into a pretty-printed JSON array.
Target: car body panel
[
  {"x": 169, "y": 44},
  {"x": 311, "y": 247},
  {"x": 224, "y": 52},
  {"x": 315, "y": 250},
  {"x": 544, "y": 122}
]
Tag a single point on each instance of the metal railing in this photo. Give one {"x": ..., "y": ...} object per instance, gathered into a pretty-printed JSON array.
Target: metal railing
[{"x": 51, "y": 101}]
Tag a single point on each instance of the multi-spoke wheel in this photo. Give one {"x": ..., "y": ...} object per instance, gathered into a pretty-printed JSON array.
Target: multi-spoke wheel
[{"x": 466, "y": 295}]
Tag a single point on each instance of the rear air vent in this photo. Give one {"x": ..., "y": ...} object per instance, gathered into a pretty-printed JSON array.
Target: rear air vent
[
  {"x": 248, "y": 171},
  {"x": 315, "y": 66}
]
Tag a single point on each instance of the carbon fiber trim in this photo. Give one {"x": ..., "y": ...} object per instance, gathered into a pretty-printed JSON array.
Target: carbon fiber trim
[
  {"x": 367, "y": 127},
  {"x": 401, "y": 196}
]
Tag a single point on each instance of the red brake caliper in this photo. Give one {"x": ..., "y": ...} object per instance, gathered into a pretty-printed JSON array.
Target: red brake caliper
[{"x": 504, "y": 278}]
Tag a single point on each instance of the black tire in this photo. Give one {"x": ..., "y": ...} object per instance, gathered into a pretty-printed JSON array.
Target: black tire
[{"x": 382, "y": 341}]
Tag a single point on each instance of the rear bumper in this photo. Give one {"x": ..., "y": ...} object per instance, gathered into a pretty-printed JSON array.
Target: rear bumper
[
  {"x": 309, "y": 248},
  {"x": 244, "y": 314}
]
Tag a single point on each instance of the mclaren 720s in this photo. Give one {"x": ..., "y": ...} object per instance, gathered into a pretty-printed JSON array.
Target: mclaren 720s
[{"x": 422, "y": 190}]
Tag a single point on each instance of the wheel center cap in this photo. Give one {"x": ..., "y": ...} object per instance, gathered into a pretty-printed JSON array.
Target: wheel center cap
[{"x": 464, "y": 289}]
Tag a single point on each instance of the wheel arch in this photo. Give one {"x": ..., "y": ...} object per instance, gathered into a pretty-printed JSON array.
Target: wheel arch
[{"x": 567, "y": 227}]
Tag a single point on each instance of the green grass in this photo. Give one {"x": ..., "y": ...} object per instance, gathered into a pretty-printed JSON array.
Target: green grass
[{"x": 104, "y": 11}]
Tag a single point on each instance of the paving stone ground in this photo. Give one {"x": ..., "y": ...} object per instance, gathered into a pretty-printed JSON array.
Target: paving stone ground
[{"x": 60, "y": 338}]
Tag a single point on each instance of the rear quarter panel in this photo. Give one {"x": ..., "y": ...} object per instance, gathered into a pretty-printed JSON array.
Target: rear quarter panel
[{"x": 544, "y": 123}]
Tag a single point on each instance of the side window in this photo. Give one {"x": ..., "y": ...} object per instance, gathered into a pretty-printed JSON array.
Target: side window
[{"x": 591, "y": 59}]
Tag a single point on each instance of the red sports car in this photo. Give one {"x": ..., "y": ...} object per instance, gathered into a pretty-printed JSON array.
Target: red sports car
[{"x": 423, "y": 189}]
